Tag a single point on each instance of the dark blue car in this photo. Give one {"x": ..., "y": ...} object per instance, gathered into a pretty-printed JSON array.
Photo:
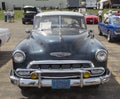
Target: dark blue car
[
  {"x": 59, "y": 53},
  {"x": 110, "y": 28}
]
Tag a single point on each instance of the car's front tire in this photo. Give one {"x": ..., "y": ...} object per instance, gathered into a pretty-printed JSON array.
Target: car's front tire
[
  {"x": 23, "y": 22},
  {"x": 24, "y": 88},
  {"x": 95, "y": 86}
]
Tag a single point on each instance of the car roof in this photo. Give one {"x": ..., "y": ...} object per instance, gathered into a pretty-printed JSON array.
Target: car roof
[
  {"x": 29, "y": 7},
  {"x": 59, "y": 13}
]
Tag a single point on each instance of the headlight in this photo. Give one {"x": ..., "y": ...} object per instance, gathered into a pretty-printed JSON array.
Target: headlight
[
  {"x": 19, "y": 56},
  {"x": 101, "y": 55}
]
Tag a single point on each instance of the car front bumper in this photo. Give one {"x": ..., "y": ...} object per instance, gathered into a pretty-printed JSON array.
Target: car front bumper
[{"x": 48, "y": 82}]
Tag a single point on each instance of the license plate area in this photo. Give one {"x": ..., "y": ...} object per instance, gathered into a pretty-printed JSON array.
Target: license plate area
[
  {"x": 91, "y": 20},
  {"x": 61, "y": 84}
]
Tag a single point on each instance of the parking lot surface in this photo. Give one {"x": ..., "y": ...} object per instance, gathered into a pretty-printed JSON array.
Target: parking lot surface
[{"x": 110, "y": 90}]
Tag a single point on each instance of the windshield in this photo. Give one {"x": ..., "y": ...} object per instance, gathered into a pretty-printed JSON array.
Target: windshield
[
  {"x": 116, "y": 20},
  {"x": 55, "y": 22}
]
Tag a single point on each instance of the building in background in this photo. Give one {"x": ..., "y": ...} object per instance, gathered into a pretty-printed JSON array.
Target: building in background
[
  {"x": 91, "y": 4},
  {"x": 109, "y": 4},
  {"x": 18, "y": 4},
  {"x": 73, "y": 3}
]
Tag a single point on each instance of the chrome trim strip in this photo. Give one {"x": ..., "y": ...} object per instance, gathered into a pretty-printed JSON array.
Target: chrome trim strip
[
  {"x": 59, "y": 62},
  {"x": 80, "y": 70},
  {"x": 39, "y": 80},
  {"x": 66, "y": 77},
  {"x": 81, "y": 79}
]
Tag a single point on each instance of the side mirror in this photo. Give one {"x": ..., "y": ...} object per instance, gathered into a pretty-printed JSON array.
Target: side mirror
[{"x": 90, "y": 33}]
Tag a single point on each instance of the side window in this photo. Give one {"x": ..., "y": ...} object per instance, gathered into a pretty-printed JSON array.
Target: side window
[
  {"x": 36, "y": 23},
  {"x": 83, "y": 26}
]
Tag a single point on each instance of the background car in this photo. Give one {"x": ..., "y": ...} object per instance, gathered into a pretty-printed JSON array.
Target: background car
[
  {"x": 110, "y": 28},
  {"x": 91, "y": 18},
  {"x": 4, "y": 36},
  {"x": 28, "y": 14},
  {"x": 59, "y": 53}
]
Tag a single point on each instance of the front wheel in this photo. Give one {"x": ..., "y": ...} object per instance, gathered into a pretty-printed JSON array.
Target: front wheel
[
  {"x": 94, "y": 86},
  {"x": 23, "y": 22},
  {"x": 24, "y": 88}
]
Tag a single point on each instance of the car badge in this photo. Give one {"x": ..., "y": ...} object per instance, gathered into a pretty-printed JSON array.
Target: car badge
[{"x": 60, "y": 54}]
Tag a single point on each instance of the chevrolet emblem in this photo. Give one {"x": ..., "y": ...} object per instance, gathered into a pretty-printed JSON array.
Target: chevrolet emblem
[{"x": 60, "y": 54}]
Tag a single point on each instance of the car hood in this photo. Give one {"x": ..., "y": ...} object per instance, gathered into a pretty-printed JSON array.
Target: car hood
[
  {"x": 117, "y": 26},
  {"x": 58, "y": 47}
]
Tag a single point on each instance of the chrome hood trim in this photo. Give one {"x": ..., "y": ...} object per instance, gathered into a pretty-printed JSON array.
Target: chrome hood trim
[{"x": 60, "y": 54}]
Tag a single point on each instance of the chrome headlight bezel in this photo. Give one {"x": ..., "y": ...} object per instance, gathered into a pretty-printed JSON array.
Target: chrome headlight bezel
[
  {"x": 18, "y": 56},
  {"x": 101, "y": 55}
]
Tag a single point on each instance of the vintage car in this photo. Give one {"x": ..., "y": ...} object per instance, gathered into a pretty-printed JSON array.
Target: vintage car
[
  {"x": 110, "y": 27},
  {"x": 4, "y": 36},
  {"x": 91, "y": 18},
  {"x": 28, "y": 14},
  {"x": 59, "y": 53}
]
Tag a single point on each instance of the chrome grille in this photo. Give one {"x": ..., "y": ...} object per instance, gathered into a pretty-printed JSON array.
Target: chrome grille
[
  {"x": 60, "y": 66},
  {"x": 60, "y": 75}
]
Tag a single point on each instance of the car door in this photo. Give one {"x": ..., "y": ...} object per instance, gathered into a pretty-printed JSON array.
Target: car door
[
  {"x": 105, "y": 27},
  {"x": 101, "y": 27}
]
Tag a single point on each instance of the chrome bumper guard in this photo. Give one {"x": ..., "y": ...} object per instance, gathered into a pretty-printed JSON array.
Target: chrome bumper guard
[
  {"x": 80, "y": 81},
  {"x": 48, "y": 82}
]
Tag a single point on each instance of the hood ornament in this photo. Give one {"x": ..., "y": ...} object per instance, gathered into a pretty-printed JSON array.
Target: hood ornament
[{"x": 60, "y": 54}]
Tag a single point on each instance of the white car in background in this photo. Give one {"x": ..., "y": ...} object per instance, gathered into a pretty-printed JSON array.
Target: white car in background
[{"x": 4, "y": 36}]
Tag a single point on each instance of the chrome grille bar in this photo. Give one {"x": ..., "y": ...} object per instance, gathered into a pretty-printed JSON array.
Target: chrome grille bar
[{"x": 59, "y": 62}]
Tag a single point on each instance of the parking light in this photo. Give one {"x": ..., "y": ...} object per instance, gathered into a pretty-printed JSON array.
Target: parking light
[
  {"x": 34, "y": 76},
  {"x": 86, "y": 74}
]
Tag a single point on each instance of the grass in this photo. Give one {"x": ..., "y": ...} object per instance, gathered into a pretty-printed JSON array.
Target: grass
[{"x": 18, "y": 13}]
